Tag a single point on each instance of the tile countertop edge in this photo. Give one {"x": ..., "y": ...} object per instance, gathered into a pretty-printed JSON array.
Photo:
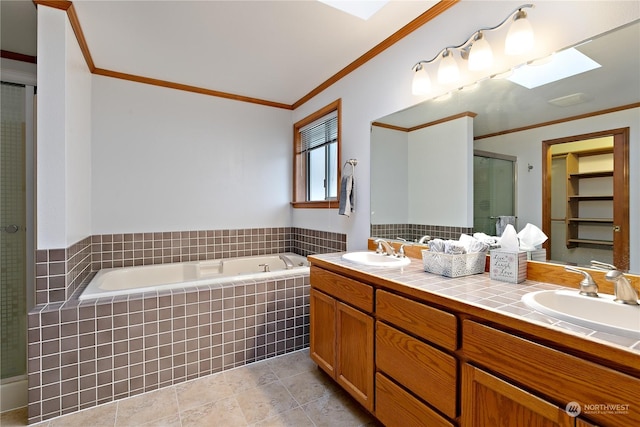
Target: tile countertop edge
[{"x": 604, "y": 350}]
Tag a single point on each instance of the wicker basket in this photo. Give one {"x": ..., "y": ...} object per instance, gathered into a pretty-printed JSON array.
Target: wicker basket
[{"x": 453, "y": 265}]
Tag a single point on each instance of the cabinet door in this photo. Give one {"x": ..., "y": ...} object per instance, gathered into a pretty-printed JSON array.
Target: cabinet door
[
  {"x": 584, "y": 423},
  {"x": 323, "y": 331},
  {"x": 354, "y": 366},
  {"x": 490, "y": 401}
]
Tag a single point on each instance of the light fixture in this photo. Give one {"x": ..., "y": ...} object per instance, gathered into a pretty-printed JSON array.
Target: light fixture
[
  {"x": 480, "y": 54},
  {"x": 448, "y": 71},
  {"x": 520, "y": 36},
  {"x": 421, "y": 81},
  {"x": 477, "y": 50}
]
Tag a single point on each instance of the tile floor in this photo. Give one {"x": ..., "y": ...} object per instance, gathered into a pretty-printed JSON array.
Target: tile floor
[{"x": 288, "y": 390}]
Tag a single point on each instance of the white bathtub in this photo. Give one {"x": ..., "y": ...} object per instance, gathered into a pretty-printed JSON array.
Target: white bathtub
[{"x": 110, "y": 282}]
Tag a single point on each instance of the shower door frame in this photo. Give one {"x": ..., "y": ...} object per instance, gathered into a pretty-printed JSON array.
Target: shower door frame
[{"x": 514, "y": 160}]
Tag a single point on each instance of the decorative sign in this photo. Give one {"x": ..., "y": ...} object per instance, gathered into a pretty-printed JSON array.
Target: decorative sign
[{"x": 508, "y": 266}]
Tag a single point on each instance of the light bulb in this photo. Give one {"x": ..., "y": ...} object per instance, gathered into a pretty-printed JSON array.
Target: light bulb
[
  {"x": 480, "y": 55},
  {"x": 520, "y": 36},
  {"x": 421, "y": 82},
  {"x": 448, "y": 71}
]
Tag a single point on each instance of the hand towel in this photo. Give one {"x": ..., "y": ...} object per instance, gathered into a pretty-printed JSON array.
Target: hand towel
[
  {"x": 502, "y": 223},
  {"x": 347, "y": 195}
]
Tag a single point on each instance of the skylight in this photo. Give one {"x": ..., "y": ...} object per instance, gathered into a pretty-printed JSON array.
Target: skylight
[
  {"x": 359, "y": 8},
  {"x": 566, "y": 63}
]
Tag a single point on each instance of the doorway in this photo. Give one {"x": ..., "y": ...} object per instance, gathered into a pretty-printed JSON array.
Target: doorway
[
  {"x": 585, "y": 198},
  {"x": 494, "y": 184}
]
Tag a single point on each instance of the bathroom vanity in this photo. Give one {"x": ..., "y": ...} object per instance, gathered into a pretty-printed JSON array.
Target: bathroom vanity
[{"x": 420, "y": 349}]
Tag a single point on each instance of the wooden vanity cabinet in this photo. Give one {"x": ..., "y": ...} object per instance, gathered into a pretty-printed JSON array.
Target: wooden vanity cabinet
[
  {"x": 406, "y": 333},
  {"x": 559, "y": 377},
  {"x": 490, "y": 401},
  {"x": 342, "y": 330}
]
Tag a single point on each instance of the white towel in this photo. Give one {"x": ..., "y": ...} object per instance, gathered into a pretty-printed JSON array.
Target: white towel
[
  {"x": 347, "y": 195},
  {"x": 502, "y": 223}
]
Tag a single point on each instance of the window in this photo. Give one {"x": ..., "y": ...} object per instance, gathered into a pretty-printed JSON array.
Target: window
[{"x": 317, "y": 159}]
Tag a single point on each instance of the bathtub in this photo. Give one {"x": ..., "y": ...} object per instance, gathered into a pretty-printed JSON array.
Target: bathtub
[{"x": 111, "y": 282}]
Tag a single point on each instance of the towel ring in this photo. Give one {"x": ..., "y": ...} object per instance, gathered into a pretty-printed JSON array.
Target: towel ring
[{"x": 353, "y": 163}]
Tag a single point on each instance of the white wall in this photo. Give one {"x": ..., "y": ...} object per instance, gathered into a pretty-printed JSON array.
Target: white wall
[
  {"x": 63, "y": 134},
  {"x": 526, "y": 146},
  {"x": 389, "y": 176},
  {"x": 383, "y": 85},
  {"x": 167, "y": 160},
  {"x": 441, "y": 174}
]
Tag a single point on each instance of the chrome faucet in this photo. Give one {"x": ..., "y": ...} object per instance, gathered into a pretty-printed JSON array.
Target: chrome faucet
[
  {"x": 424, "y": 239},
  {"x": 622, "y": 288},
  {"x": 384, "y": 247},
  {"x": 587, "y": 285},
  {"x": 288, "y": 264},
  {"x": 624, "y": 291}
]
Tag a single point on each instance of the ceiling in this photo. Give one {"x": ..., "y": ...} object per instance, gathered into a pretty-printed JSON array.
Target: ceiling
[
  {"x": 501, "y": 105},
  {"x": 271, "y": 50}
]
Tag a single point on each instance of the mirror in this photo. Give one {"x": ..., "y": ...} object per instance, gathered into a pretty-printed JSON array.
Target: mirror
[{"x": 499, "y": 116}]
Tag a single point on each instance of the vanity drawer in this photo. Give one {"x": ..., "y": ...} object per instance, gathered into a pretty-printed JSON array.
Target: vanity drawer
[
  {"x": 426, "y": 322},
  {"x": 350, "y": 291},
  {"x": 396, "y": 407},
  {"x": 552, "y": 373},
  {"x": 428, "y": 372}
]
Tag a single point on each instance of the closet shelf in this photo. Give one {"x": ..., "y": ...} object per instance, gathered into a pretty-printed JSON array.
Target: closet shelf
[
  {"x": 591, "y": 242},
  {"x": 592, "y": 220},
  {"x": 591, "y": 197},
  {"x": 595, "y": 174}
]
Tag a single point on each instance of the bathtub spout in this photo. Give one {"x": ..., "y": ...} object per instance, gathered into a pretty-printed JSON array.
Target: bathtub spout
[{"x": 287, "y": 262}]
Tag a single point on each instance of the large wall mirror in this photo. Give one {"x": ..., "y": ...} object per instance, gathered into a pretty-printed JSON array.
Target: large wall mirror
[{"x": 422, "y": 158}]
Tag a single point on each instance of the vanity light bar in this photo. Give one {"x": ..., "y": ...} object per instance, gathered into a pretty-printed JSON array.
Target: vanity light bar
[{"x": 476, "y": 50}]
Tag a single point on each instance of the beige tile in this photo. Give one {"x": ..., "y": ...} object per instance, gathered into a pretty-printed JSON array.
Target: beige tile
[
  {"x": 249, "y": 376},
  {"x": 203, "y": 390},
  {"x": 336, "y": 410},
  {"x": 294, "y": 418},
  {"x": 147, "y": 407},
  {"x": 309, "y": 386},
  {"x": 291, "y": 363},
  {"x": 15, "y": 418},
  {"x": 223, "y": 413},
  {"x": 173, "y": 421},
  {"x": 265, "y": 401},
  {"x": 99, "y": 416}
]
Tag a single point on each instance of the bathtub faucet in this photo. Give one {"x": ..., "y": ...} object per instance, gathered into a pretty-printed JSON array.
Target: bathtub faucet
[
  {"x": 265, "y": 267},
  {"x": 288, "y": 264}
]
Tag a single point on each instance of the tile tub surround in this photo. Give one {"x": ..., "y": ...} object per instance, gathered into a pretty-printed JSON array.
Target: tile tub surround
[
  {"x": 82, "y": 354},
  {"x": 59, "y": 272},
  {"x": 413, "y": 232}
]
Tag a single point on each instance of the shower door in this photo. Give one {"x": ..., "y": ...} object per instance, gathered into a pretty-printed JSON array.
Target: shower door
[
  {"x": 13, "y": 300},
  {"x": 494, "y": 179}
]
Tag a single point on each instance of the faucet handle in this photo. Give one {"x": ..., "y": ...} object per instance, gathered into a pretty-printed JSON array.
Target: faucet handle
[
  {"x": 588, "y": 286},
  {"x": 400, "y": 253},
  {"x": 599, "y": 265}
]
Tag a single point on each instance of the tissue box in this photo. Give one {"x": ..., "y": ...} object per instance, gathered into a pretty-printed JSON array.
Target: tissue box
[
  {"x": 453, "y": 265},
  {"x": 537, "y": 255},
  {"x": 508, "y": 266}
]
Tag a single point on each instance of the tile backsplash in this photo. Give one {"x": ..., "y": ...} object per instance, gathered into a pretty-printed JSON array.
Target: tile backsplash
[
  {"x": 413, "y": 232},
  {"x": 59, "y": 272}
]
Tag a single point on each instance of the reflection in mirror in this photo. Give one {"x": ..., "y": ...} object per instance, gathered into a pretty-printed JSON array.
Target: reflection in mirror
[{"x": 422, "y": 157}]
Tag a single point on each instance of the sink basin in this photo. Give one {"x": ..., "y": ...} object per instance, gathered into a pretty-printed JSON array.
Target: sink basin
[
  {"x": 601, "y": 314},
  {"x": 375, "y": 260}
]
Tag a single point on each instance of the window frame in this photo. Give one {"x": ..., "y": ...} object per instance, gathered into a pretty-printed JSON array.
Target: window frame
[{"x": 299, "y": 199}]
